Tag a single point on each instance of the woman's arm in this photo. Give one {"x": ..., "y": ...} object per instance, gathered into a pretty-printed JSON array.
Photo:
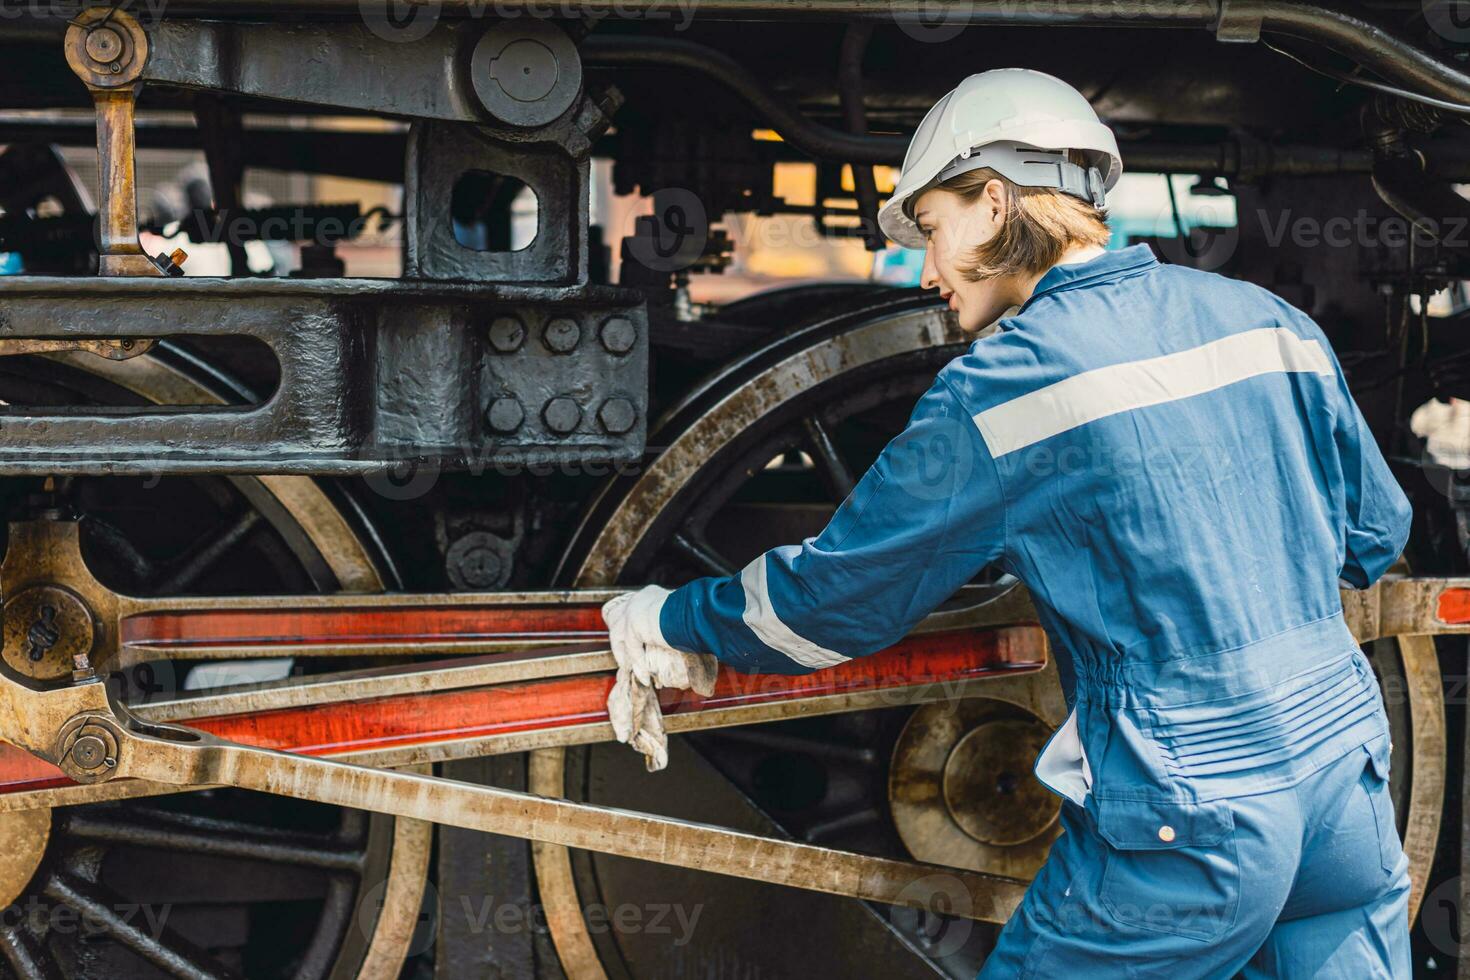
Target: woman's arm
[{"x": 921, "y": 522}]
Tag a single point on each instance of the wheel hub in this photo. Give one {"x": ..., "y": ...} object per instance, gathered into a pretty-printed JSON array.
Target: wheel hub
[
  {"x": 988, "y": 785},
  {"x": 46, "y": 627}
]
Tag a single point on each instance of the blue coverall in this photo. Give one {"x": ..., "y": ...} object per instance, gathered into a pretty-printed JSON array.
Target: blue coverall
[{"x": 1172, "y": 462}]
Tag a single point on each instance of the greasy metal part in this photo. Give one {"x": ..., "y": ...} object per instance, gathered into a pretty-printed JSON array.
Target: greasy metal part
[
  {"x": 373, "y": 374},
  {"x": 233, "y": 627},
  {"x": 23, "y": 837},
  {"x": 402, "y": 899},
  {"x": 43, "y": 720},
  {"x": 1427, "y": 775},
  {"x": 927, "y": 765},
  {"x": 1402, "y": 179},
  {"x": 553, "y": 161},
  {"x": 116, "y": 349},
  {"x": 556, "y": 881},
  {"x": 814, "y": 138},
  {"x": 850, "y": 84},
  {"x": 429, "y": 723},
  {"x": 1345, "y": 31},
  {"x": 388, "y": 936},
  {"x": 1399, "y": 606},
  {"x": 517, "y": 72},
  {"x": 985, "y": 784},
  {"x": 108, "y": 50},
  {"x": 55, "y": 608},
  {"x": 379, "y": 156}
]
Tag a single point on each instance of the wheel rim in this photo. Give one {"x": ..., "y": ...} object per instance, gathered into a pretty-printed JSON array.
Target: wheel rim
[{"x": 93, "y": 853}]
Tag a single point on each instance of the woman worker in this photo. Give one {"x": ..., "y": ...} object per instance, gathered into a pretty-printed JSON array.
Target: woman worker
[{"x": 1171, "y": 461}]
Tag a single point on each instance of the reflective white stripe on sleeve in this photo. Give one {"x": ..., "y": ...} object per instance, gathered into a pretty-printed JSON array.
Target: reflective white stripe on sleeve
[
  {"x": 763, "y": 621},
  {"x": 1116, "y": 388}
]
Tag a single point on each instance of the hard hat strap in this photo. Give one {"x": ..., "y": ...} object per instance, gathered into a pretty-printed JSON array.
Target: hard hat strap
[{"x": 1026, "y": 166}]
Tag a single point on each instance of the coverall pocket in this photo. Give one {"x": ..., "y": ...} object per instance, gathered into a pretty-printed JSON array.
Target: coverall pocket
[
  {"x": 1374, "y": 781},
  {"x": 1171, "y": 868}
]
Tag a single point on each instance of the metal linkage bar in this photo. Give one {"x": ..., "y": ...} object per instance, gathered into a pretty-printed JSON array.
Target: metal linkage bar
[
  {"x": 372, "y": 373},
  {"x": 524, "y": 72},
  {"x": 435, "y": 712},
  {"x": 95, "y": 740}
]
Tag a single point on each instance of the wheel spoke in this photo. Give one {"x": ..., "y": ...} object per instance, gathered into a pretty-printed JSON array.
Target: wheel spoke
[
  {"x": 27, "y": 959},
  {"x": 215, "y": 837},
  {"x": 697, "y": 549},
  {"x": 824, "y": 453},
  {"x": 192, "y": 566},
  {"x": 105, "y": 911}
]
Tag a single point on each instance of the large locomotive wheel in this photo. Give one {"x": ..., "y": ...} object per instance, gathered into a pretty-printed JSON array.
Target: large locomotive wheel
[
  {"x": 217, "y": 883},
  {"x": 758, "y": 455}
]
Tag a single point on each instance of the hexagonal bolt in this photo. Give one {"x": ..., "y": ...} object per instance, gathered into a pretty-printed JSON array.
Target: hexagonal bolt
[
  {"x": 507, "y": 333},
  {"x": 561, "y": 334},
  {"x": 89, "y": 752},
  {"x": 561, "y": 415},
  {"x": 505, "y": 414},
  {"x": 618, "y": 334},
  {"x": 617, "y": 415}
]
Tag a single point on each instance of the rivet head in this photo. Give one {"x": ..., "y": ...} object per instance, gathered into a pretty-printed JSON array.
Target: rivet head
[
  {"x": 104, "y": 45},
  {"x": 618, "y": 334},
  {"x": 88, "y": 752},
  {"x": 507, "y": 333},
  {"x": 561, "y": 334},
  {"x": 505, "y": 414},
  {"x": 1166, "y": 833},
  {"x": 617, "y": 415},
  {"x": 561, "y": 414}
]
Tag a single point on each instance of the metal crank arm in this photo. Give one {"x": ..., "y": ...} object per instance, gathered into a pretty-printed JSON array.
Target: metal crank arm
[{"x": 79, "y": 729}]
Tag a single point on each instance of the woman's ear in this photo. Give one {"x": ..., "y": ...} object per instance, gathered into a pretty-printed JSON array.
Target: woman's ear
[{"x": 995, "y": 200}]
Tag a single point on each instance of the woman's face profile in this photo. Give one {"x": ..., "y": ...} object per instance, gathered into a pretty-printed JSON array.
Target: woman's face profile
[{"x": 951, "y": 229}]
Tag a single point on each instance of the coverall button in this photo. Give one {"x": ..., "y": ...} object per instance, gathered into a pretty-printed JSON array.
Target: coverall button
[{"x": 1166, "y": 833}]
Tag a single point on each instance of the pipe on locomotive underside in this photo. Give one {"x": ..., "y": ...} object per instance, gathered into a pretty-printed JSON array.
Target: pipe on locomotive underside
[{"x": 1344, "y": 31}]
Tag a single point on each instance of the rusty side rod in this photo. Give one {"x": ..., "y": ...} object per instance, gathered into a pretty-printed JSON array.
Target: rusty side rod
[{"x": 183, "y": 756}]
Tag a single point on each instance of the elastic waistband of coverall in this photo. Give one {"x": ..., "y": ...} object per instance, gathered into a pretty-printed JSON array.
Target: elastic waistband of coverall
[
  {"x": 1271, "y": 667},
  {"x": 1232, "y": 722},
  {"x": 1262, "y": 714}
]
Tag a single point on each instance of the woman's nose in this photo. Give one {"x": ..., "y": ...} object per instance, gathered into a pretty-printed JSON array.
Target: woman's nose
[{"x": 929, "y": 276}]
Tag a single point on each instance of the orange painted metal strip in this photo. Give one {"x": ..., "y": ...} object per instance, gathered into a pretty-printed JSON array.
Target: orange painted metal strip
[
  {"x": 444, "y": 716},
  {"x": 203, "y": 628},
  {"x": 1454, "y": 606}
]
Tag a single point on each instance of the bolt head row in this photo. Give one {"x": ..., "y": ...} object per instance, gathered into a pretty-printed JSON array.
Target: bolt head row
[
  {"x": 561, "y": 414},
  {"x": 561, "y": 334}
]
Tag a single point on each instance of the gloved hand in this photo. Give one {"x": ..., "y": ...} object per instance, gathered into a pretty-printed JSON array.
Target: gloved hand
[{"x": 646, "y": 663}]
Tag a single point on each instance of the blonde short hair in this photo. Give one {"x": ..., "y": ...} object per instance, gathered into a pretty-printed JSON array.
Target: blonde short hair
[{"x": 1040, "y": 224}]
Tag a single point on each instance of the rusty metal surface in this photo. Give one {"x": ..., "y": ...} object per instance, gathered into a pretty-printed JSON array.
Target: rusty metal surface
[
  {"x": 93, "y": 740},
  {"x": 116, "y": 349},
  {"x": 107, "y": 49},
  {"x": 23, "y": 837},
  {"x": 1427, "y": 762},
  {"x": 926, "y": 771}
]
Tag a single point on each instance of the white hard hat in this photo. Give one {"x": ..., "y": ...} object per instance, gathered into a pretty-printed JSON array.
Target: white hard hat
[{"x": 1017, "y": 121}]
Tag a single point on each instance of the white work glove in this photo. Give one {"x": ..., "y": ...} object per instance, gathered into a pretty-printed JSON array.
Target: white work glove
[{"x": 646, "y": 663}]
